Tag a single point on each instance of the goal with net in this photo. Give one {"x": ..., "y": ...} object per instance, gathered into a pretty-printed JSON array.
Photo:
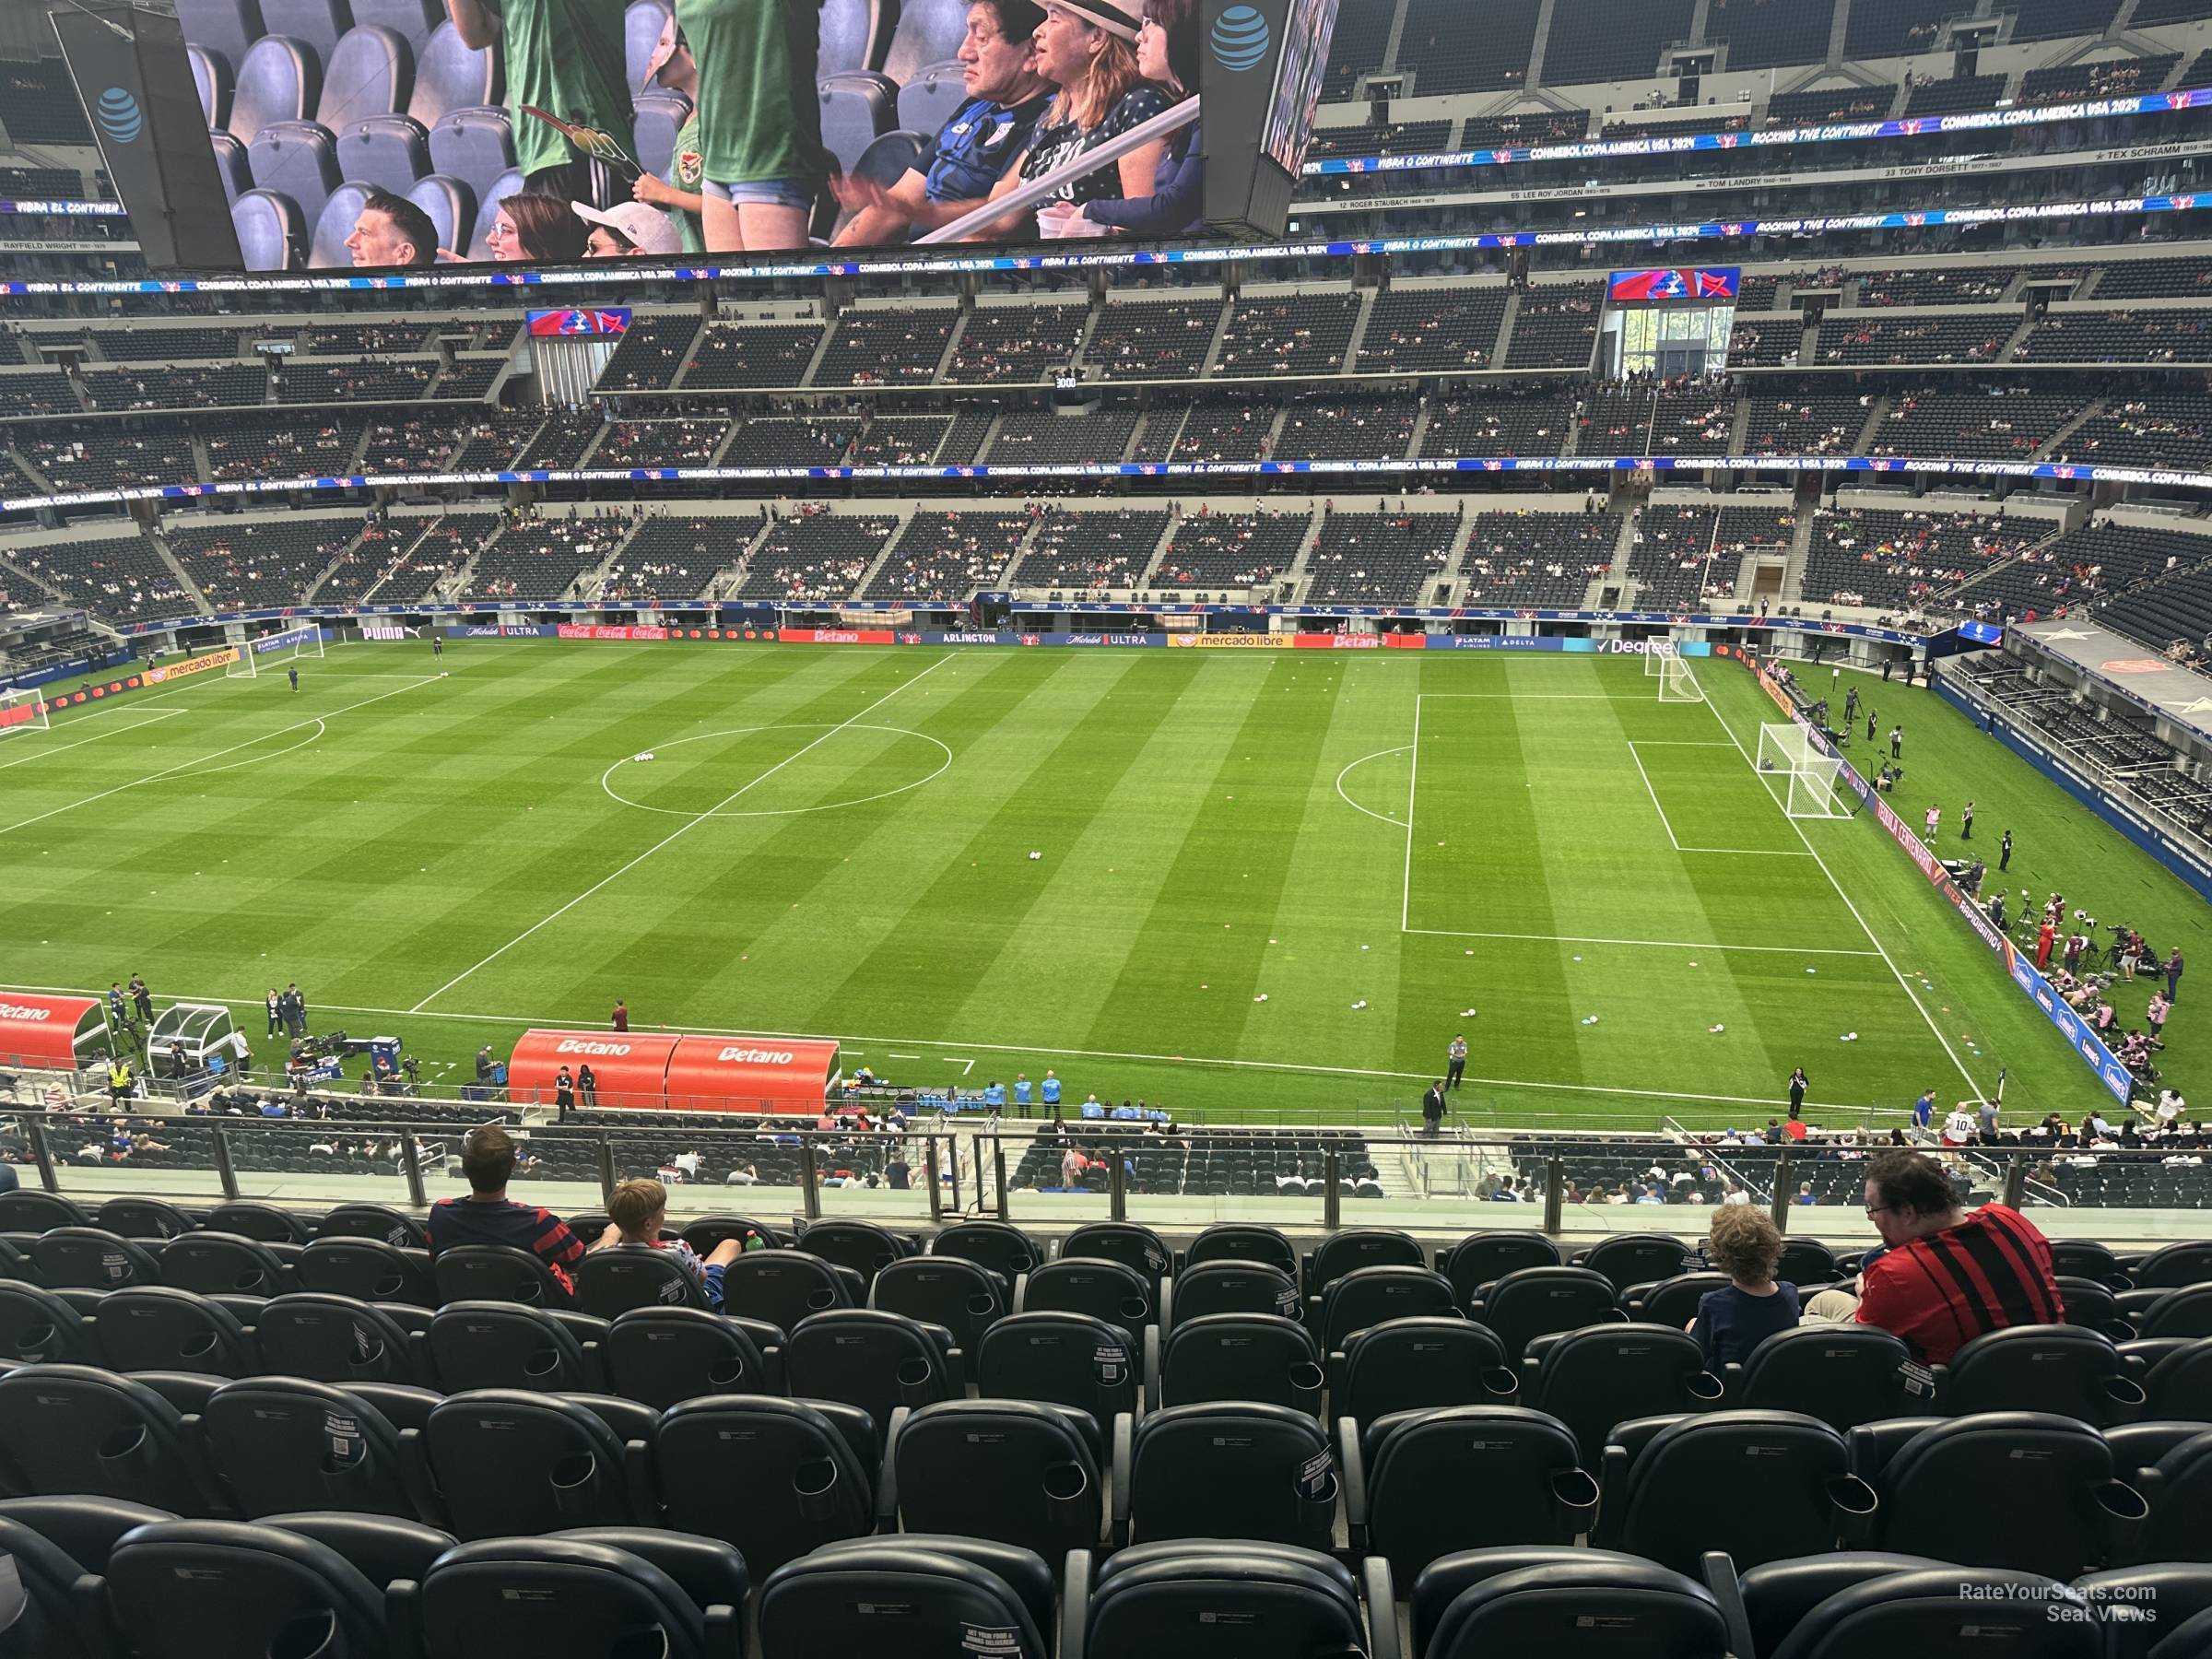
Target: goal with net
[
  {"x": 1677, "y": 683},
  {"x": 1797, "y": 774},
  {"x": 22, "y": 712},
  {"x": 1657, "y": 654},
  {"x": 275, "y": 650}
]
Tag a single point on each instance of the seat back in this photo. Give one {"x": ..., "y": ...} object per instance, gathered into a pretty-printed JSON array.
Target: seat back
[
  {"x": 1807, "y": 1264},
  {"x": 370, "y": 1269},
  {"x": 231, "y": 166},
  {"x": 930, "y": 97},
  {"x": 2189, "y": 1263},
  {"x": 218, "y": 1589},
  {"x": 72, "y": 1428},
  {"x": 642, "y": 21},
  {"x": 2085, "y": 1258},
  {"x": 504, "y": 1345},
  {"x": 298, "y": 160},
  {"x": 555, "y": 1595},
  {"x": 1761, "y": 1486},
  {"x": 1419, "y": 1365},
  {"x": 1672, "y": 1302},
  {"x": 1592, "y": 1379},
  {"x": 1518, "y": 1601},
  {"x": 1012, "y": 1470},
  {"x": 952, "y": 1292},
  {"x": 613, "y": 1280},
  {"x": 318, "y": 23},
  {"x": 1234, "y": 1287},
  {"x": 864, "y": 1357},
  {"x": 379, "y": 1222},
  {"x": 370, "y": 72},
  {"x": 1244, "y": 1241},
  {"x": 2046, "y": 1498},
  {"x": 143, "y": 1219},
  {"x": 92, "y": 1258},
  {"x": 220, "y": 1264},
  {"x": 2179, "y": 1384},
  {"x": 284, "y": 1443},
  {"x": 412, "y": 20},
  {"x": 862, "y": 1246},
  {"x": 451, "y": 205},
  {"x": 1357, "y": 1247},
  {"x": 1536, "y": 1301},
  {"x": 664, "y": 1355},
  {"x": 27, "y": 1209},
  {"x": 782, "y": 1286},
  {"x": 271, "y": 1223},
  {"x": 279, "y": 80},
  {"x": 1124, "y": 1242},
  {"x": 508, "y": 1462},
  {"x": 151, "y": 1327},
  {"x": 1915, "y": 1606},
  {"x": 1481, "y": 1258},
  {"x": 1104, "y": 1289},
  {"x": 40, "y": 1327},
  {"x": 1005, "y": 1249},
  {"x": 932, "y": 1592},
  {"x": 1843, "y": 1374},
  {"x": 1369, "y": 1296},
  {"x": 2180, "y": 1528},
  {"x": 1422, "y": 1464},
  {"x": 2063, "y": 1369},
  {"x": 2186, "y": 1312},
  {"x": 332, "y": 1339},
  {"x": 1251, "y": 1600},
  {"x": 451, "y": 75},
  {"x": 657, "y": 119},
  {"x": 1232, "y": 1471},
  {"x": 496, "y": 1273},
  {"x": 228, "y": 27},
  {"x": 1639, "y": 1258},
  {"x": 1259, "y": 1357},
  {"x": 52, "y": 1617},
  {"x": 1061, "y": 1359},
  {"x": 388, "y": 151},
  {"x": 776, "y": 1477},
  {"x": 854, "y": 34}
]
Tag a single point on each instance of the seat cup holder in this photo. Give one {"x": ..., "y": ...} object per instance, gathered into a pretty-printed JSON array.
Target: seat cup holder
[
  {"x": 545, "y": 1362},
  {"x": 814, "y": 1484},
  {"x": 916, "y": 1376},
  {"x": 1575, "y": 1497},
  {"x": 1857, "y": 1507},
  {"x": 983, "y": 1304},
  {"x": 574, "y": 1472},
  {"x": 724, "y": 1375},
  {"x": 2124, "y": 1392},
  {"x": 1065, "y": 1488},
  {"x": 1704, "y": 1388},
  {"x": 2121, "y": 1503},
  {"x": 129, "y": 1440},
  {"x": 820, "y": 1298},
  {"x": 1306, "y": 1377},
  {"x": 1500, "y": 1383}
]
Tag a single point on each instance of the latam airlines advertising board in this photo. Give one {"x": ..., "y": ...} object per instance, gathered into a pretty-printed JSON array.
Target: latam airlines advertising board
[{"x": 666, "y": 1071}]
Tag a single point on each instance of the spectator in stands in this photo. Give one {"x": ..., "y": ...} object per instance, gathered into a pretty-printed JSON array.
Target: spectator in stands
[
  {"x": 392, "y": 232},
  {"x": 626, "y": 231},
  {"x": 1087, "y": 48},
  {"x": 539, "y": 229},
  {"x": 957, "y": 171},
  {"x": 1945, "y": 1275},
  {"x": 1167, "y": 56},
  {"x": 761, "y": 161},
  {"x": 637, "y": 1212},
  {"x": 1744, "y": 1244},
  {"x": 488, "y": 1217},
  {"x": 674, "y": 69},
  {"x": 562, "y": 55}
]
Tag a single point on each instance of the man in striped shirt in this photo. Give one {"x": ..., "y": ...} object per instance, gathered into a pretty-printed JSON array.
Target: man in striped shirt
[
  {"x": 1948, "y": 1274},
  {"x": 487, "y": 1217}
]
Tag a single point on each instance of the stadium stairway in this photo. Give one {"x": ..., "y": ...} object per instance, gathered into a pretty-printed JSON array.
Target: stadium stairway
[
  {"x": 2055, "y": 447},
  {"x": 176, "y": 569},
  {"x": 307, "y": 595},
  {"x": 1513, "y": 313},
  {"x": 1801, "y": 553}
]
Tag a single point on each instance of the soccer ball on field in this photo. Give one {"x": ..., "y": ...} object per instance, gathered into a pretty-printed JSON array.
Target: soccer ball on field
[{"x": 1034, "y": 856}]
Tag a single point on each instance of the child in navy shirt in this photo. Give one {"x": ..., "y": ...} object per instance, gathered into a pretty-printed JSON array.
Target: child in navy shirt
[{"x": 1731, "y": 1321}]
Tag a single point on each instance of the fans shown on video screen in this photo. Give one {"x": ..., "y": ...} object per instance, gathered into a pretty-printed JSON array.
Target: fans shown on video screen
[{"x": 392, "y": 231}]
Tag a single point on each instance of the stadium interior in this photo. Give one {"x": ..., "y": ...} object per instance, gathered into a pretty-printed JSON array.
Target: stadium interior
[{"x": 1233, "y": 1391}]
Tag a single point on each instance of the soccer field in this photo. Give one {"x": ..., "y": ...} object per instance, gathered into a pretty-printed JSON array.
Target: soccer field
[{"x": 1271, "y": 883}]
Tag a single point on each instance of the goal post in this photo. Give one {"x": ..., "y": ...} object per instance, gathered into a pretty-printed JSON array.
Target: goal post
[
  {"x": 1802, "y": 779},
  {"x": 1677, "y": 683},
  {"x": 276, "y": 649},
  {"x": 1657, "y": 654},
  {"x": 23, "y": 711}
]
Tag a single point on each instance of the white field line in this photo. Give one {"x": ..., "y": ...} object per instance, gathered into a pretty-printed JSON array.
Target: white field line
[
  {"x": 42, "y": 751},
  {"x": 1455, "y": 933},
  {"x": 679, "y": 833},
  {"x": 1637, "y": 743}
]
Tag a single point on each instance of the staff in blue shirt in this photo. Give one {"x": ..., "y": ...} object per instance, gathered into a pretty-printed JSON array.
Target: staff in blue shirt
[
  {"x": 1021, "y": 1092},
  {"x": 1923, "y": 1110},
  {"x": 1051, "y": 1092},
  {"x": 1007, "y": 97},
  {"x": 994, "y": 1095}
]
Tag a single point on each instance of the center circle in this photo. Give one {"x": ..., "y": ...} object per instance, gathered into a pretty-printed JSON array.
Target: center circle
[{"x": 742, "y": 778}]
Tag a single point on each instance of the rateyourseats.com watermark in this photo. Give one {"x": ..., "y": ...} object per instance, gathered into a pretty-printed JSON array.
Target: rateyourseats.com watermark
[{"x": 2065, "y": 1604}]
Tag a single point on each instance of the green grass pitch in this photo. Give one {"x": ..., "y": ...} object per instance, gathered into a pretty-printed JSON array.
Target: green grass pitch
[{"x": 1270, "y": 881}]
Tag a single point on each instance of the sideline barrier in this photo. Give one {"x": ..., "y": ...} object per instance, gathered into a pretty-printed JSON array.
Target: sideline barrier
[
  {"x": 1254, "y": 640},
  {"x": 669, "y": 1071},
  {"x": 2022, "y": 972}
]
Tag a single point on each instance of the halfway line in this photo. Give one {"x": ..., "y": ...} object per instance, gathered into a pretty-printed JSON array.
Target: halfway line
[{"x": 1456, "y": 933}]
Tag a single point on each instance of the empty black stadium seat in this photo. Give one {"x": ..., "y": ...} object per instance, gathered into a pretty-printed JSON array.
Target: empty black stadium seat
[
  {"x": 662, "y": 1355},
  {"x": 964, "y": 1298},
  {"x": 2183, "y": 1311},
  {"x": 783, "y": 1286},
  {"x": 1104, "y": 1289},
  {"x": 510, "y": 1462},
  {"x": 1420, "y": 1364},
  {"x": 297, "y": 160},
  {"x": 1196, "y": 1600},
  {"x": 91, "y": 1258},
  {"x": 228, "y": 27},
  {"x": 657, "y": 117},
  {"x": 2048, "y": 1497},
  {"x": 318, "y": 23},
  {"x": 38, "y": 1325},
  {"x": 1229, "y": 1470},
  {"x": 1843, "y": 1374},
  {"x": 876, "y": 1361},
  {"x": 774, "y": 1477},
  {"x": 380, "y": 1221},
  {"x": 1354, "y": 1248},
  {"x": 1059, "y": 1359},
  {"x": 1479, "y": 1258},
  {"x": 2093, "y": 1306},
  {"x": 413, "y": 20},
  {"x": 69, "y": 1428},
  {"x": 1368, "y": 1296},
  {"x": 452, "y": 77},
  {"x": 2177, "y": 1595},
  {"x": 496, "y": 1273},
  {"x": 337, "y": 1339},
  {"x": 371, "y": 1269},
  {"x": 1670, "y": 1301},
  {"x": 593, "y": 1590},
  {"x": 1233, "y": 1287},
  {"x": 862, "y": 1246},
  {"x": 268, "y": 1222},
  {"x": 1807, "y": 1264},
  {"x": 1122, "y": 1242},
  {"x": 1259, "y": 1357},
  {"x": 284, "y": 1443},
  {"x": 28, "y": 1210},
  {"x": 2189, "y": 1263},
  {"x": 451, "y": 204},
  {"x": 369, "y": 73},
  {"x": 1414, "y": 1475},
  {"x": 1244, "y": 1241},
  {"x": 1638, "y": 1258},
  {"x": 1564, "y": 1604},
  {"x": 2063, "y": 1369},
  {"x": 153, "y": 1327},
  {"x": 642, "y": 21},
  {"x": 58, "y": 1608},
  {"x": 1592, "y": 1379},
  {"x": 1536, "y": 1301},
  {"x": 1005, "y": 1249},
  {"x": 2085, "y": 1258},
  {"x": 1873, "y": 1603},
  {"x": 1015, "y": 1471},
  {"x": 505, "y": 1344},
  {"x": 219, "y": 1263},
  {"x": 2179, "y": 1386},
  {"x": 143, "y": 1219},
  {"x": 926, "y": 1596},
  {"x": 2180, "y": 1453},
  {"x": 218, "y": 1589}
]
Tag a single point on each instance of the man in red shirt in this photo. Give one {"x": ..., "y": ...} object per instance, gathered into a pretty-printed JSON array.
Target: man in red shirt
[
  {"x": 487, "y": 1217},
  {"x": 1948, "y": 1274},
  {"x": 621, "y": 1015}
]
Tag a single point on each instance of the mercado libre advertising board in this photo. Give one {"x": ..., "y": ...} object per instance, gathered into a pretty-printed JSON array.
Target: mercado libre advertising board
[{"x": 166, "y": 672}]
